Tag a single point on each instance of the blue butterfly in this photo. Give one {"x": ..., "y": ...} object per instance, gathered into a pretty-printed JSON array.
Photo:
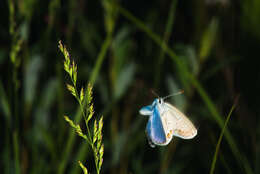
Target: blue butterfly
[{"x": 166, "y": 121}]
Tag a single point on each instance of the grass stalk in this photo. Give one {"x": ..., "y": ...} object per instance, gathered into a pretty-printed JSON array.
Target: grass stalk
[
  {"x": 166, "y": 36},
  {"x": 93, "y": 76},
  {"x": 93, "y": 138},
  {"x": 100, "y": 58},
  {"x": 16, "y": 153},
  {"x": 213, "y": 164}
]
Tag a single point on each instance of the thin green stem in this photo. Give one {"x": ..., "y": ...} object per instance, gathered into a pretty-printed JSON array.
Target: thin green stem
[
  {"x": 16, "y": 153},
  {"x": 89, "y": 134},
  {"x": 100, "y": 59},
  {"x": 166, "y": 37},
  {"x": 95, "y": 158},
  {"x": 89, "y": 139},
  {"x": 213, "y": 164}
]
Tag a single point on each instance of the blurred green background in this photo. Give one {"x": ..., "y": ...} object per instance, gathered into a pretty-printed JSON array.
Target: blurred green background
[{"x": 208, "y": 48}]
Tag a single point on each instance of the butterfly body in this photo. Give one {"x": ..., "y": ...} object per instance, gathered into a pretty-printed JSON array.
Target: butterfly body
[{"x": 166, "y": 121}]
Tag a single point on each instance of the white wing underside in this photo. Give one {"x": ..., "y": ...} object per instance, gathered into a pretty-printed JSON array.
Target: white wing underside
[{"x": 175, "y": 123}]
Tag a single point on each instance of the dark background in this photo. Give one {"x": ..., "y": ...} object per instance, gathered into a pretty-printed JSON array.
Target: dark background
[{"x": 212, "y": 54}]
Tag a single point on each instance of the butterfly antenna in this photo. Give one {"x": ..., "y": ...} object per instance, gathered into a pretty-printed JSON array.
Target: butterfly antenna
[
  {"x": 154, "y": 93},
  {"x": 177, "y": 93}
]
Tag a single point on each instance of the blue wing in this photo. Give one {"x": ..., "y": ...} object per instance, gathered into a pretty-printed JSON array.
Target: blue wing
[
  {"x": 155, "y": 129},
  {"x": 146, "y": 110}
]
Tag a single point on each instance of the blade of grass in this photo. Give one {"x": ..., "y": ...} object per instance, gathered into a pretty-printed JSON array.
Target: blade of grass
[
  {"x": 16, "y": 153},
  {"x": 100, "y": 59},
  {"x": 60, "y": 100},
  {"x": 6, "y": 154},
  {"x": 213, "y": 164},
  {"x": 156, "y": 39},
  {"x": 208, "y": 102},
  {"x": 222, "y": 156},
  {"x": 212, "y": 108},
  {"x": 167, "y": 33},
  {"x": 5, "y": 104}
]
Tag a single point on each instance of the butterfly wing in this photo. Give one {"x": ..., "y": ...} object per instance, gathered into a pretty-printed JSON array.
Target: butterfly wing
[
  {"x": 175, "y": 123},
  {"x": 155, "y": 130},
  {"x": 146, "y": 110}
]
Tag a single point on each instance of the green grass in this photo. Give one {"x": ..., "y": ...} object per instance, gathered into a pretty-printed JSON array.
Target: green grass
[
  {"x": 84, "y": 98},
  {"x": 213, "y": 164},
  {"x": 119, "y": 52}
]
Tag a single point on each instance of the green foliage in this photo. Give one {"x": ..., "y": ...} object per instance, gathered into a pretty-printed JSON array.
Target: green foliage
[
  {"x": 93, "y": 138},
  {"x": 124, "y": 50},
  {"x": 208, "y": 40},
  {"x": 250, "y": 16},
  {"x": 213, "y": 164}
]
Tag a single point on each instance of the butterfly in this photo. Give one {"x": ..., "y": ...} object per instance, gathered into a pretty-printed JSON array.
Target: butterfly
[{"x": 166, "y": 121}]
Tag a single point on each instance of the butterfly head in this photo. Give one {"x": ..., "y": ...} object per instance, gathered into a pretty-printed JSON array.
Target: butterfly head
[{"x": 158, "y": 103}]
